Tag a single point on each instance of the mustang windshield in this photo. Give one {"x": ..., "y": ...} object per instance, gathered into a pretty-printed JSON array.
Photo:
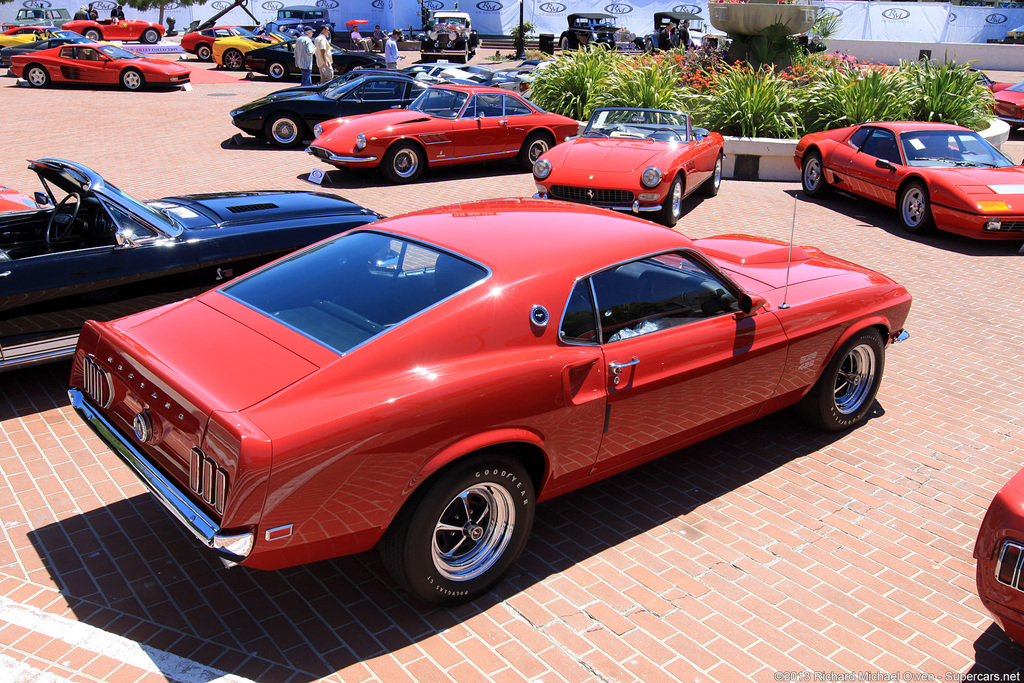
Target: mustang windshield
[
  {"x": 938, "y": 148},
  {"x": 343, "y": 292},
  {"x": 440, "y": 102},
  {"x": 655, "y": 124}
]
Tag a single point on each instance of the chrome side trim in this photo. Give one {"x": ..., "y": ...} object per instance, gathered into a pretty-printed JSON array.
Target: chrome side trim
[
  {"x": 35, "y": 359},
  {"x": 338, "y": 159},
  {"x": 166, "y": 491}
]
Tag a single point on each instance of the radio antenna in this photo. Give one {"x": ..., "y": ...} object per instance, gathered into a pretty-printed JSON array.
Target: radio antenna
[{"x": 789, "y": 262}]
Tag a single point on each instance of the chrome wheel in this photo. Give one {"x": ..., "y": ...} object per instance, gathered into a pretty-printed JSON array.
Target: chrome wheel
[
  {"x": 204, "y": 52},
  {"x": 812, "y": 174},
  {"x": 37, "y": 76},
  {"x": 93, "y": 34},
  {"x": 150, "y": 36},
  {"x": 405, "y": 163},
  {"x": 233, "y": 59},
  {"x": 677, "y": 200},
  {"x": 284, "y": 131},
  {"x": 914, "y": 211},
  {"x": 856, "y": 380},
  {"x": 538, "y": 147},
  {"x": 473, "y": 532},
  {"x": 131, "y": 79},
  {"x": 277, "y": 71}
]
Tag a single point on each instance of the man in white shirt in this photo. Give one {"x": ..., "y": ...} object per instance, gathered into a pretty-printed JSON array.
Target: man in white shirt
[
  {"x": 324, "y": 54},
  {"x": 391, "y": 56}
]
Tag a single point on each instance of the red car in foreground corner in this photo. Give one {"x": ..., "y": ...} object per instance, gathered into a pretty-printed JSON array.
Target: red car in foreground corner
[
  {"x": 423, "y": 382},
  {"x": 98, "y": 64},
  {"x": 12, "y": 200},
  {"x": 933, "y": 174},
  {"x": 632, "y": 159},
  {"x": 110, "y": 29},
  {"x": 999, "y": 552},
  {"x": 445, "y": 125}
]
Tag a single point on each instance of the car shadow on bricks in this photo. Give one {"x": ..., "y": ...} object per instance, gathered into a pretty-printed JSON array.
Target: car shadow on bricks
[
  {"x": 883, "y": 218},
  {"x": 129, "y": 568},
  {"x": 994, "y": 652}
]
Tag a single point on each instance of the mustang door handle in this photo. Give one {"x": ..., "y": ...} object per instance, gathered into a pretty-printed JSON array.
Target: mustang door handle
[
  {"x": 616, "y": 368},
  {"x": 5, "y": 273}
]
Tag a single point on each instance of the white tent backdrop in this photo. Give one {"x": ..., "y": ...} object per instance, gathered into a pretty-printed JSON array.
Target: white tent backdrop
[{"x": 898, "y": 21}]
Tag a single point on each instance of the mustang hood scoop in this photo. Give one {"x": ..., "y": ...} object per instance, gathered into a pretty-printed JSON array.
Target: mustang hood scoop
[
  {"x": 260, "y": 206},
  {"x": 766, "y": 261},
  {"x": 199, "y": 346}
]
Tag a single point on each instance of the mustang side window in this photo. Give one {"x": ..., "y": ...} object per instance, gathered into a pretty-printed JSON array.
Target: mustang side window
[
  {"x": 579, "y": 324},
  {"x": 657, "y": 293}
]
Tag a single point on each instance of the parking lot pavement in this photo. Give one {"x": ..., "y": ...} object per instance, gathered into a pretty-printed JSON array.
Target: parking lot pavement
[{"x": 772, "y": 552}]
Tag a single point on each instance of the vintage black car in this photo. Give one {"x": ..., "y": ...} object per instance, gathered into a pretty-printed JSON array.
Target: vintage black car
[
  {"x": 589, "y": 29},
  {"x": 286, "y": 116},
  {"x": 290, "y": 19},
  {"x": 658, "y": 39},
  {"x": 94, "y": 252},
  {"x": 450, "y": 35},
  {"x": 277, "y": 60},
  {"x": 59, "y": 37}
]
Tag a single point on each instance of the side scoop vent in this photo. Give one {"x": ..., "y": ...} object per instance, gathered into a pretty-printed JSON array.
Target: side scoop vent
[{"x": 243, "y": 208}]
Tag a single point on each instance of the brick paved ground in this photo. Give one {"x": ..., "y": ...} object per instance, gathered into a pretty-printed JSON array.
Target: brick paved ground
[{"x": 769, "y": 548}]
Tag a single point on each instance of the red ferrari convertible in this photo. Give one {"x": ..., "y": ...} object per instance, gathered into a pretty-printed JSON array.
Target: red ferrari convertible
[
  {"x": 999, "y": 552},
  {"x": 110, "y": 29},
  {"x": 1009, "y": 105},
  {"x": 97, "y": 64},
  {"x": 630, "y": 159},
  {"x": 933, "y": 174},
  {"x": 422, "y": 382},
  {"x": 445, "y": 125}
]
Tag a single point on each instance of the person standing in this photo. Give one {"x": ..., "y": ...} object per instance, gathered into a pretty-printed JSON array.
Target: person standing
[
  {"x": 94, "y": 15},
  {"x": 324, "y": 54},
  {"x": 684, "y": 34},
  {"x": 391, "y": 56},
  {"x": 82, "y": 14},
  {"x": 304, "y": 55}
]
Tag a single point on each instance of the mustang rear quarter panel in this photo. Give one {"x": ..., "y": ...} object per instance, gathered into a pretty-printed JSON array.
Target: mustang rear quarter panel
[
  {"x": 342, "y": 475},
  {"x": 1003, "y": 521}
]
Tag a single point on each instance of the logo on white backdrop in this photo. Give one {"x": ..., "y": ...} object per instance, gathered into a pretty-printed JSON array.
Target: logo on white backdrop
[
  {"x": 41, "y": 4},
  {"x": 327, "y": 4},
  {"x": 272, "y": 5},
  {"x": 221, "y": 4},
  {"x": 828, "y": 9},
  {"x": 896, "y": 14},
  {"x": 996, "y": 19},
  {"x": 489, "y": 6},
  {"x": 433, "y": 5},
  {"x": 952, "y": 17},
  {"x": 618, "y": 8},
  {"x": 552, "y": 7},
  {"x": 692, "y": 9}
]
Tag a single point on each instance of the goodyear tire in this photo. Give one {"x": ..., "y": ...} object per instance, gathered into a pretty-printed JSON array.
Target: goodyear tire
[
  {"x": 843, "y": 394},
  {"x": 456, "y": 539}
]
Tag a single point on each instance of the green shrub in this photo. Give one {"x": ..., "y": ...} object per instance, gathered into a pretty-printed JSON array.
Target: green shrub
[
  {"x": 752, "y": 103},
  {"x": 841, "y": 97},
  {"x": 947, "y": 92},
  {"x": 642, "y": 83},
  {"x": 570, "y": 85}
]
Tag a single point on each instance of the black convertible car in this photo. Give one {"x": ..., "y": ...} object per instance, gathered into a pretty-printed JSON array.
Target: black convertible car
[
  {"x": 588, "y": 29},
  {"x": 277, "y": 60},
  {"x": 98, "y": 253},
  {"x": 56, "y": 39},
  {"x": 285, "y": 116}
]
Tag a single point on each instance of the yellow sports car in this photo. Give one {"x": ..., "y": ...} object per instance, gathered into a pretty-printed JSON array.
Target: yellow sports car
[
  {"x": 23, "y": 35},
  {"x": 228, "y": 52}
]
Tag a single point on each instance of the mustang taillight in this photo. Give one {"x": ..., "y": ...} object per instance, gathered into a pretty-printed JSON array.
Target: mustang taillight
[
  {"x": 1009, "y": 564},
  {"x": 208, "y": 479},
  {"x": 97, "y": 383}
]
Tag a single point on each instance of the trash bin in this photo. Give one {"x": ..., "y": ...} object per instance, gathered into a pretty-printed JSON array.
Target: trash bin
[{"x": 547, "y": 43}]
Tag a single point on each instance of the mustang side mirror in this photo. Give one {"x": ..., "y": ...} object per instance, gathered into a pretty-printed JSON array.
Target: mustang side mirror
[
  {"x": 750, "y": 304},
  {"x": 882, "y": 163},
  {"x": 42, "y": 199},
  {"x": 125, "y": 239}
]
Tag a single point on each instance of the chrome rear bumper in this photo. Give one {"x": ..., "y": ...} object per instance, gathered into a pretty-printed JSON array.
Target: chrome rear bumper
[{"x": 166, "y": 491}]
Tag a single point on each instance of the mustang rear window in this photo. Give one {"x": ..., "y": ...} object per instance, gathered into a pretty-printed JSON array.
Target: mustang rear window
[{"x": 354, "y": 287}]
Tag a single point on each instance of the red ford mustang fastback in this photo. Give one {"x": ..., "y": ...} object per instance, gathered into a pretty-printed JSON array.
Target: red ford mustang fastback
[
  {"x": 933, "y": 174},
  {"x": 423, "y": 382}
]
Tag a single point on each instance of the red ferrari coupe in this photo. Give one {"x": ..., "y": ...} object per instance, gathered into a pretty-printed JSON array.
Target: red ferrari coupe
[
  {"x": 445, "y": 125},
  {"x": 933, "y": 174},
  {"x": 97, "y": 64},
  {"x": 200, "y": 43},
  {"x": 999, "y": 552},
  {"x": 110, "y": 29},
  {"x": 630, "y": 159},
  {"x": 1009, "y": 104},
  {"x": 422, "y": 382}
]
